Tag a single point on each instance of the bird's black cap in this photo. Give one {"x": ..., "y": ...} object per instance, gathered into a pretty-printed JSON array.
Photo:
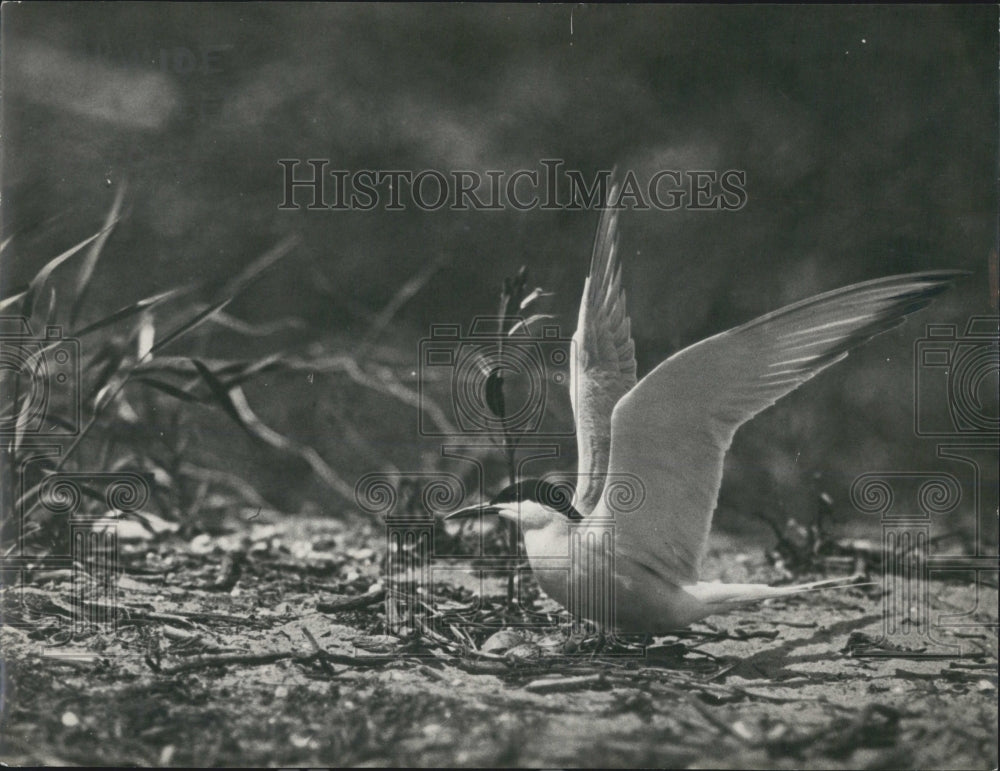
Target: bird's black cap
[{"x": 557, "y": 497}]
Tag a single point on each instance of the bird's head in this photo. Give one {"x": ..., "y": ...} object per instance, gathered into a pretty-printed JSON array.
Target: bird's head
[{"x": 532, "y": 503}]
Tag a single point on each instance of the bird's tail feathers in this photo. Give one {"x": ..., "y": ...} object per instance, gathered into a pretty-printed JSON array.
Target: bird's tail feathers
[{"x": 738, "y": 594}]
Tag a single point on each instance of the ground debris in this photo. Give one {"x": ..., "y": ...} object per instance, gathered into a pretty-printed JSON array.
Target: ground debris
[{"x": 268, "y": 675}]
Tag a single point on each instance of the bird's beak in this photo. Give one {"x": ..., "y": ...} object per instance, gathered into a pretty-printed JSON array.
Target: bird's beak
[{"x": 473, "y": 511}]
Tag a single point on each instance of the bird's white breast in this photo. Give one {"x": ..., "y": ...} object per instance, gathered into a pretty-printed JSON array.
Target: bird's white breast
[{"x": 575, "y": 567}]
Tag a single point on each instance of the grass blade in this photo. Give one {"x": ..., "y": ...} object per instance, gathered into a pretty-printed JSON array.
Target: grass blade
[
  {"x": 131, "y": 310},
  {"x": 168, "y": 388},
  {"x": 50, "y": 314},
  {"x": 257, "y": 330},
  {"x": 43, "y": 275},
  {"x": 523, "y": 324},
  {"x": 231, "y": 289},
  {"x": 222, "y": 394},
  {"x": 195, "y": 321},
  {"x": 537, "y": 293},
  {"x": 274, "y": 439},
  {"x": 90, "y": 261},
  {"x": 236, "y": 285},
  {"x": 234, "y": 402},
  {"x": 8, "y": 301},
  {"x": 109, "y": 359},
  {"x": 255, "y": 269}
]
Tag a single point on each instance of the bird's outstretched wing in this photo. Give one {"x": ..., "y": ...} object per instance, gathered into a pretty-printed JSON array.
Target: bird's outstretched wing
[
  {"x": 673, "y": 429},
  {"x": 602, "y": 361}
]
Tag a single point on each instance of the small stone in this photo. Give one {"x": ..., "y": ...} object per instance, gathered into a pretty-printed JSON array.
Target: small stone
[
  {"x": 524, "y": 652},
  {"x": 502, "y": 641},
  {"x": 167, "y": 755}
]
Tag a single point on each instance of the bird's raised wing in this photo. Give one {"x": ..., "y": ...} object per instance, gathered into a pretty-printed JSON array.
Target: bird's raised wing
[
  {"x": 673, "y": 429},
  {"x": 602, "y": 361}
]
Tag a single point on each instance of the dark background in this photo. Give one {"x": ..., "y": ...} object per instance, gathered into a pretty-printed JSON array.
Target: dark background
[{"x": 868, "y": 136}]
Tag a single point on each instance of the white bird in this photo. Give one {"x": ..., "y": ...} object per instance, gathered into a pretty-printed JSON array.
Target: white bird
[{"x": 670, "y": 431}]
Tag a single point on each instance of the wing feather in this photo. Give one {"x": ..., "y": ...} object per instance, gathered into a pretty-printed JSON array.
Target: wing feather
[
  {"x": 602, "y": 361},
  {"x": 673, "y": 429}
]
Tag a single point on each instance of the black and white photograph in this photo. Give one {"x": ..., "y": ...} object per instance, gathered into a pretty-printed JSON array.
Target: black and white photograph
[{"x": 472, "y": 385}]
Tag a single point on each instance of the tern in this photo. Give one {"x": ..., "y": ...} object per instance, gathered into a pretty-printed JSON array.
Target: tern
[{"x": 670, "y": 431}]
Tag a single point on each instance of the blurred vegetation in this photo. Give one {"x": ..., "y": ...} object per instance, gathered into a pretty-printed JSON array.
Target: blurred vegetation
[{"x": 868, "y": 135}]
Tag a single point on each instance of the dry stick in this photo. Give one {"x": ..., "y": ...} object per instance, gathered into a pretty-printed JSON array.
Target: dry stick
[
  {"x": 258, "y": 659},
  {"x": 719, "y": 724},
  {"x": 178, "y": 616},
  {"x": 721, "y": 672},
  {"x": 430, "y": 672},
  {"x": 351, "y": 603},
  {"x": 555, "y": 685},
  {"x": 318, "y": 649},
  {"x": 399, "y": 299},
  {"x": 511, "y": 294},
  {"x": 229, "y": 572},
  {"x": 135, "y": 616},
  {"x": 386, "y": 382}
]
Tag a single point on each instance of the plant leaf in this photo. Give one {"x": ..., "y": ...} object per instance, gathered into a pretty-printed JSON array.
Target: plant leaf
[
  {"x": 130, "y": 310},
  {"x": 168, "y": 388},
  {"x": 276, "y": 440},
  {"x": 256, "y": 268},
  {"x": 8, "y": 301},
  {"x": 525, "y": 323},
  {"x": 221, "y": 393},
  {"x": 257, "y": 330},
  {"x": 94, "y": 253},
  {"x": 43, "y": 275},
  {"x": 537, "y": 293},
  {"x": 195, "y": 321},
  {"x": 494, "y": 394},
  {"x": 232, "y": 288}
]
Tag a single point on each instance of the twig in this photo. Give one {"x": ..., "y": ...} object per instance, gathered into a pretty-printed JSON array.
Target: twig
[
  {"x": 259, "y": 659},
  {"x": 316, "y": 647},
  {"x": 725, "y": 729},
  {"x": 226, "y": 479},
  {"x": 399, "y": 299},
  {"x": 229, "y": 572},
  {"x": 386, "y": 382},
  {"x": 721, "y": 672},
  {"x": 351, "y": 603},
  {"x": 556, "y": 685}
]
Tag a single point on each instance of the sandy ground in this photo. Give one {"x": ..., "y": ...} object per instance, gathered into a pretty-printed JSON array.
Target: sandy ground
[{"x": 248, "y": 661}]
